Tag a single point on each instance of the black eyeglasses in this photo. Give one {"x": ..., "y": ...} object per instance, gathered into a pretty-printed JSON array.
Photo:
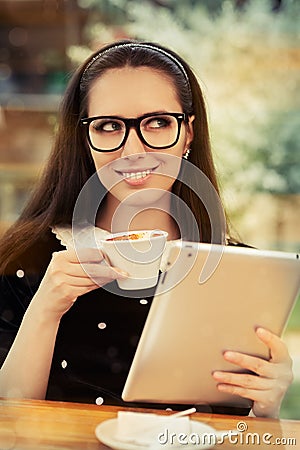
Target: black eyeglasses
[{"x": 157, "y": 131}]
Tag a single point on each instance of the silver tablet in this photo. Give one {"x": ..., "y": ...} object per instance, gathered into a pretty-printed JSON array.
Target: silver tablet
[{"x": 210, "y": 300}]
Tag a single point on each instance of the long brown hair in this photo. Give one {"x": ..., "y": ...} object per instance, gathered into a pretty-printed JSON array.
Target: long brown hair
[{"x": 70, "y": 163}]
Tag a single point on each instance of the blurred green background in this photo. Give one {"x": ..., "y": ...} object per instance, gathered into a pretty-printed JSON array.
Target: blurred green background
[{"x": 246, "y": 54}]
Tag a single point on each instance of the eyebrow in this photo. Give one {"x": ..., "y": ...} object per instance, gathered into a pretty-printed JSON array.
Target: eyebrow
[
  {"x": 164, "y": 111},
  {"x": 150, "y": 113},
  {"x": 141, "y": 115}
]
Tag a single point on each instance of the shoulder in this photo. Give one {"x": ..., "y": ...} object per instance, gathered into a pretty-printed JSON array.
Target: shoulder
[
  {"x": 22, "y": 277},
  {"x": 35, "y": 259}
]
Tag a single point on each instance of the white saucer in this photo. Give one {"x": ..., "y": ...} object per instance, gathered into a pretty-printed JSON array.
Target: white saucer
[{"x": 106, "y": 432}]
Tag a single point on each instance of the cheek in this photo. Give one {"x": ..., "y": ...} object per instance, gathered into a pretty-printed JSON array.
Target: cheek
[
  {"x": 102, "y": 159},
  {"x": 182, "y": 143},
  {"x": 165, "y": 182},
  {"x": 103, "y": 166}
]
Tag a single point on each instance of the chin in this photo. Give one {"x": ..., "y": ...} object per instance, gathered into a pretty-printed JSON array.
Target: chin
[{"x": 143, "y": 199}]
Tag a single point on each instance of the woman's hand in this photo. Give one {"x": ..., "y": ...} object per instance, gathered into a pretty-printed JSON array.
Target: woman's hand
[
  {"x": 268, "y": 389},
  {"x": 67, "y": 278},
  {"x": 25, "y": 372}
]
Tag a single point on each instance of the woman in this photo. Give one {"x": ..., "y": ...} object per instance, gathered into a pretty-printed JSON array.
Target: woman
[{"x": 63, "y": 334}]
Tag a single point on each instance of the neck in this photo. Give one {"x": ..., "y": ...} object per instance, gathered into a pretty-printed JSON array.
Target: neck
[{"x": 116, "y": 217}]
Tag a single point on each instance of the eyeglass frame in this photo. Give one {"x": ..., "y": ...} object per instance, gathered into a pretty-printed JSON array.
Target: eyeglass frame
[{"x": 135, "y": 123}]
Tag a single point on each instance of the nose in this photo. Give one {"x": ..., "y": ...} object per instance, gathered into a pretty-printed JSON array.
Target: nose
[{"x": 133, "y": 147}]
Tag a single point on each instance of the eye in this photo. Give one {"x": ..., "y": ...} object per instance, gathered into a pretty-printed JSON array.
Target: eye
[
  {"x": 157, "y": 122},
  {"x": 106, "y": 125}
]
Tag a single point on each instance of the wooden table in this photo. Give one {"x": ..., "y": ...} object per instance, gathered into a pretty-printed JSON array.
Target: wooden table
[{"x": 45, "y": 425}]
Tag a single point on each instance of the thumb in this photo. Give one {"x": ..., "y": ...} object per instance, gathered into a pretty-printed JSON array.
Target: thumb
[{"x": 278, "y": 349}]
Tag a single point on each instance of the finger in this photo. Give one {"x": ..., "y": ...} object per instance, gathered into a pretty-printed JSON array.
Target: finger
[
  {"x": 278, "y": 349},
  {"x": 73, "y": 292},
  {"x": 92, "y": 261},
  {"x": 89, "y": 274},
  {"x": 78, "y": 256},
  {"x": 264, "y": 403},
  {"x": 66, "y": 262},
  {"x": 59, "y": 269},
  {"x": 244, "y": 380},
  {"x": 89, "y": 254},
  {"x": 251, "y": 394},
  {"x": 254, "y": 364},
  {"x": 103, "y": 271},
  {"x": 73, "y": 281}
]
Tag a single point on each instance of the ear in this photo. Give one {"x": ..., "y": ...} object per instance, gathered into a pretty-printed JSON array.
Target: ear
[{"x": 189, "y": 133}]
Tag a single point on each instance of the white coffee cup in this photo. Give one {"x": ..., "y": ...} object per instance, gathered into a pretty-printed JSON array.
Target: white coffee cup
[{"x": 138, "y": 253}]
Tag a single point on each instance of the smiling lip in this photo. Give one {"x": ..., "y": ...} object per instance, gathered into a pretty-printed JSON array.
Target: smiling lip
[{"x": 136, "y": 177}]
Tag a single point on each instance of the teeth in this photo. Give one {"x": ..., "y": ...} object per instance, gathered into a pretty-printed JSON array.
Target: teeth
[{"x": 136, "y": 175}]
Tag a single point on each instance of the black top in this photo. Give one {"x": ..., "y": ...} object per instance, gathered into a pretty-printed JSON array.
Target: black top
[{"x": 96, "y": 339}]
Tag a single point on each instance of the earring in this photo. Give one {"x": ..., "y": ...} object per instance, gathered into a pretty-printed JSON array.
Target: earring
[{"x": 187, "y": 153}]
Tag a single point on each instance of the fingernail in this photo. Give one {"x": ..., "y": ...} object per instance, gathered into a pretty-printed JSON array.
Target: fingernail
[
  {"x": 228, "y": 355},
  {"x": 217, "y": 374},
  {"x": 261, "y": 331}
]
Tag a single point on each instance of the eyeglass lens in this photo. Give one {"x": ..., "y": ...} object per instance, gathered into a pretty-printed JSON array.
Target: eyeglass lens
[{"x": 157, "y": 131}]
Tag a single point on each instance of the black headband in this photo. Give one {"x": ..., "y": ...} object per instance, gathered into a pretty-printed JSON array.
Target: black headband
[{"x": 140, "y": 45}]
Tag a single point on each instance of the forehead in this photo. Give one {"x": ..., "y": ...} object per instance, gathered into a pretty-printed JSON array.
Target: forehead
[{"x": 132, "y": 91}]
